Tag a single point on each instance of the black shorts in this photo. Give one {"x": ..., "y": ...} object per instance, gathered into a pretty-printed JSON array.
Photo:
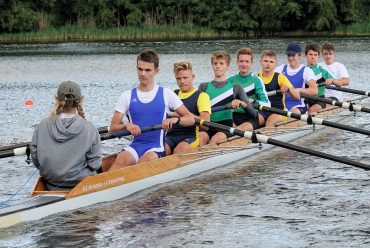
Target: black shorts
[
  {"x": 310, "y": 103},
  {"x": 265, "y": 114},
  {"x": 239, "y": 119},
  {"x": 173, "y": 141},
  {"x": 212, "y": 131}
]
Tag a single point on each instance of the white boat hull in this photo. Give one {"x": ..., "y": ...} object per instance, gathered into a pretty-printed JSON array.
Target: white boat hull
[{"x": 121, "y": 191}]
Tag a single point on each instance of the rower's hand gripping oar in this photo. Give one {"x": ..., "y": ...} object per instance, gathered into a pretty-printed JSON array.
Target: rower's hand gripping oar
[
  {"x": 259, "y": 138},
  {"x": 25, "y": 149}
]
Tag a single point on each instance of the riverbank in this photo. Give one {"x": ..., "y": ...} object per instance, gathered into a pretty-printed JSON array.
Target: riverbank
[
  {"x": 164, "y": 32},
  {"x": 154, "y": 32}
]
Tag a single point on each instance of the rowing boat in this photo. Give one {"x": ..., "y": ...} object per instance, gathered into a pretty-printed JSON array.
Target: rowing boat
[{"x": 114, "y": 185}]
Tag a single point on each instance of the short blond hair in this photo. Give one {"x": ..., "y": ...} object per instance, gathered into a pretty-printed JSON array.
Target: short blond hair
[
  {"x": 246, "y": 51},
  {"x": 221, "y": 54},
  {"x": 268, "y": 53},
  {"x": 182, "y": 65}
]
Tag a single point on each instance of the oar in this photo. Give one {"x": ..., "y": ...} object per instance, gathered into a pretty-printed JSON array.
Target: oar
[
  {"x": 348, "y": 90},
  {"x": 23, "y": 150},
  {"x": 122, "y": 133},
  {"x": 259, "y": 138},
  {"x": 306, "y": 118},
  {"x": 20, "y": 145},
  {"x": 104, "y": 129},
  {"x": 347, "y": 105},
  {"x": 309, "y": 119}
]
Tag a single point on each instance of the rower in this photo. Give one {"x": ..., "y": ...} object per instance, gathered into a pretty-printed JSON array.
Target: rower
[
  {"x": 65, "y": 147},
  {"x": 336, "y": 69},
  {"x": 221, "y": 91},
  {"x": 254, "y": 88},
  {"x": 275, "y": 81},
  {"x": 179, "y": 139},
  {"x": 146, "y": 105},
  {"x": 312, "y": 52},
  {"x": 300, "y": 76}
]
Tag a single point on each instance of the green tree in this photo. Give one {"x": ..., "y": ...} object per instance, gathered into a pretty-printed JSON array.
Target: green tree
[
  {"x": 105, "y": 14},
  {"x": 267, "y": 14},
  {"x": 19, "y": 17},
  {"x": 291, "y": 15},
  {"x": 322, "y": 15},
  {"x": 84, "y": 12},
  {"x": 348, "y": 10}
]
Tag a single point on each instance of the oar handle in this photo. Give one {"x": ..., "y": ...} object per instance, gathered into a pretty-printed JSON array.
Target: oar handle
[
  {"x": 104, "y": 129},
  {"x": 118, "y": 134},
  {"x": 273, "y": 92},
  {"x": 220, "y": 108}
]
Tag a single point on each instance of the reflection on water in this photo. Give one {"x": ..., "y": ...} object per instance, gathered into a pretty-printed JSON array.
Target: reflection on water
[{"x": 284, "y": 199}]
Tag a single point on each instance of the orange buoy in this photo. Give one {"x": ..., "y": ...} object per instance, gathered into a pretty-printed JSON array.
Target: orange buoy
[{"x": 28, "y": 103}]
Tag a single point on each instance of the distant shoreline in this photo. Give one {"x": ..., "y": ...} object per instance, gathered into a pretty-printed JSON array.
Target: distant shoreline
[{"x": 159, "y": 33}]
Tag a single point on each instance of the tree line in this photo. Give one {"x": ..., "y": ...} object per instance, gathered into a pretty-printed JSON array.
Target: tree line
[{"x": 262, "y": 17}]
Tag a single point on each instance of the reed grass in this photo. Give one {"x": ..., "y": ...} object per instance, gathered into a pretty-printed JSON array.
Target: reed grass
[
  {"x": 153, "y": 32},
  {"x": 362, "y": 28}
]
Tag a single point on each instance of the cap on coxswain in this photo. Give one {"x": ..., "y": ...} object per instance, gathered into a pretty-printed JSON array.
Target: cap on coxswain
[{"x": 69, "y": 91}]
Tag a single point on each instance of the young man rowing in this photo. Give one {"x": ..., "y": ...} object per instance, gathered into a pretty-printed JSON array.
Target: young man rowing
[
  {"x": 147, "y": 105},
  {"x": 253, "y": 87},
  {"x": 299, "y": 76},
  {"x": 223, "y": 92},
  {"x": 312, "y": 52},
  {"x": 275, "y": 81},
  {"x": 179, "y": 139},
  {"x": 336, "y": 69}
]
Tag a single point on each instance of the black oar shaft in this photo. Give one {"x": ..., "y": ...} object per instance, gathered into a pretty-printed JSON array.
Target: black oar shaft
[
  {"x": 345, "y": 127},
  {"x": 267, "y": 140},
  {"x": 354, "y": 91},
  {"x": 317, "y": 153},
  {"x": 21, "y": 150},
  {"x": 311, "y": 119},
  {"x": 348, "y": 90},
  {"x": 346, "y": 105},
  {"x": 10, "y": 147},
  {"x": 14, "y": 152}
]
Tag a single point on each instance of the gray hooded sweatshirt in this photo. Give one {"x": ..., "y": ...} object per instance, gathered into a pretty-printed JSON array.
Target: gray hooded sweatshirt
[{"x": 66, "y": 150}]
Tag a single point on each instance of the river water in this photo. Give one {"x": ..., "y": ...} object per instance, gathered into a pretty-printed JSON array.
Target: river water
[{"x": 285, "y": 199}]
